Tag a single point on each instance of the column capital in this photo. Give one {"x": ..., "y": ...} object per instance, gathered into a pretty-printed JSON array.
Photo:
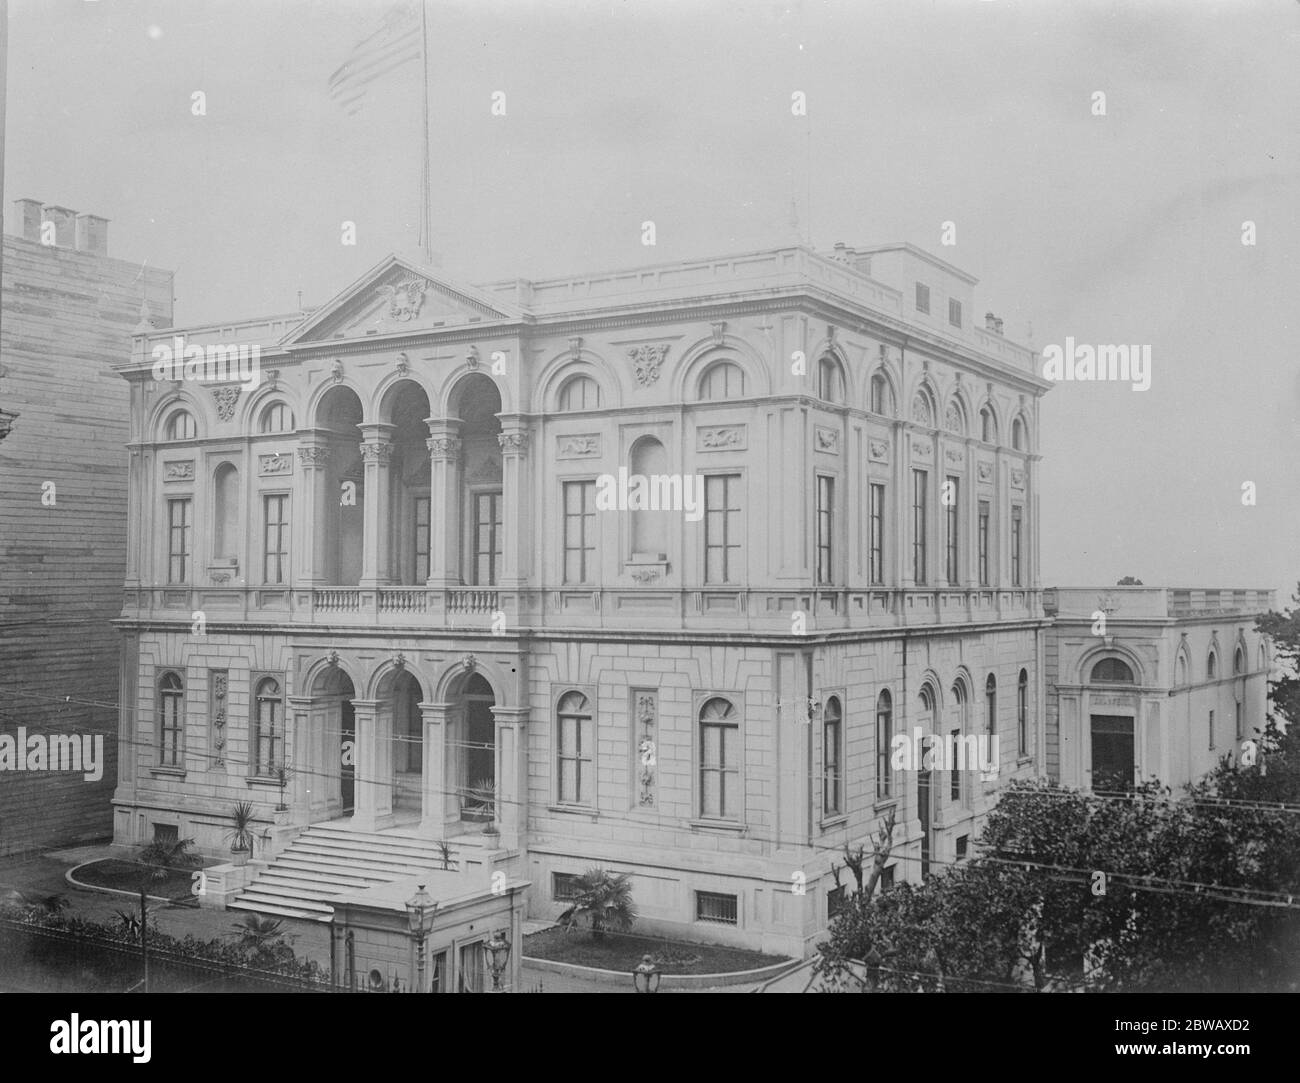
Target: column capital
[
  {"x": 510, "y": 716},
  {"x": 314, "y": 454},
  {"x": 444, "y": 448},
  {"x": 514, "y": 442}
]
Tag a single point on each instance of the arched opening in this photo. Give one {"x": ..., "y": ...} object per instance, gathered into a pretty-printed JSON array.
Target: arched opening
[
  {"x": 341, "y": 514},
  {"x": 225, "y": 520},
  {"x": 1111, "y": 671},
  {"x": 925, "y": 775},
  {"x": 988, "y": 426},
  {"x": 330, "y": 747},
  {"x": 830, "y": 380},
  {"x": 400, "y": 715},
  {"x": 578, "y": 393},
  {"x": 649, "y": 528},
  {"x": 405, "y": 406},
  {"x": 1018, "y": 438},
  {"x": 475, "y": 752},
  {"x": 476, "y": 404},
  {"x": 722, "y": 380},
  {"x": 882, "y": 398}
]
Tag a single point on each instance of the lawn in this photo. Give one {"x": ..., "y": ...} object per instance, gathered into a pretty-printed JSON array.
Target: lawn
[
  {"x": 125, "y": 876},
  {"x": 623, "y": 952}
]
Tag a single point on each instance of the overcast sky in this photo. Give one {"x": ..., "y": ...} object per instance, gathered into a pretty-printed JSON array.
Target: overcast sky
[{"x": 1123, "y": 228}]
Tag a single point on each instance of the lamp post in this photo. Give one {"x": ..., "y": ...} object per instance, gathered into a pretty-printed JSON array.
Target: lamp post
[
  {"x": 645, "y": 978},
  {"x": 498, "y": 949},
  {"x": 420, "y": 909}
]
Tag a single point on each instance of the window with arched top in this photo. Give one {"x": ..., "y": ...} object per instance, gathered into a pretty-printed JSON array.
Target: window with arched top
[
  {"x": 180, "y": 426},
  {"x": 1111, "y": 671},
  {"x": 268, "y": 727},
  {"x": 1239, "y": 663},
  {"x": 579, "y": 393},
  {"x": 719, "y": 751},
  {"x": 884, "y": 743},
  {"x": 1180, "y": 671},
  {"x": 649, "y": 527},
  {"x": 575, "y": 750},
  {"x": 882, "y": 398},
  {"x": 722, "y": 380},
  {"x": 922, "y": 412},
  {"x": 988, "y": 426},
  {"x": 954, "y": 419},
  {"x": 276, "y": 417},
  {"x": 830, "y": 381},
  {"x": 1022, "y": 713},
  {"x": 171, "y": 720},
  {"x": 957, "y": 733},
  {"x": 832, "y": 757},
  {"x": 1211, "y": 666},
  {"x": 225, "y": 520},
  {"x": 991, "y": 706},
  {"x": 1018, "y": 440}
]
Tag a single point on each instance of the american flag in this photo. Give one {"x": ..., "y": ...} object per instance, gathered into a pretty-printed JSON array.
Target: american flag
[{"x": 397, "y": 41}]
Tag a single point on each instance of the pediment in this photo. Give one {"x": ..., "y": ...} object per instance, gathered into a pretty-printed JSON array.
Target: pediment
[{"x": 398, "y": 297}]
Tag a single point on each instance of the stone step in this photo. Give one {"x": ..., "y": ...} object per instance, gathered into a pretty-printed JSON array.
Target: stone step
[{"x": 266, "y": 907}]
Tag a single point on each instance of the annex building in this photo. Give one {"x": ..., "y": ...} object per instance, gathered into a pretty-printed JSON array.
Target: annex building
[{"x": 383, "y": 593}]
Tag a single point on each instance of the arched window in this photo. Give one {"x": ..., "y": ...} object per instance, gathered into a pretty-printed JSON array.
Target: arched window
[
  {"x": 1263, "y": 658},
  {"x": 830, "y": 380},
  {"x": 1018, "y": 434},
  {"x": 579, "y": 393},
  {"x": 988, "y": 426},
  {"x": 575, "y": 751},
  {"x": 922, "y": 413},
  {"x": 180, "y": 426},
  {"x": 1211, "y": 666},
  {"x": 722, "y": 380},
  {"x": 1239, "y": 663},
  {"x": 225, "y": 524},
  {"x": 882, "y": 400},
  {"x": 884, "y": 743},
  {"x": 1022, "y": 713},
  {"x": 832, "y": 758},
  {"x": 171, "y": 720},
  {"x": 954, "y": 418},
  {"x": 991, "y": 707},
  {"x": 268, "y": 728},
  {"x": 1111, "y": 671},
  {"x": 649, "y": 527},
  {"x": 719, "y": 761},
  {"x": 957, "y": 734},
  {"x": 277, "y": 417},
  {"x": 1180, "y": 671}
]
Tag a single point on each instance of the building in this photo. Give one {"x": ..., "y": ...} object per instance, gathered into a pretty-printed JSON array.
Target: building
[
  {"x": 405, "y": 582},
  {"x": 69, "y": 310},
  {"x": 1147, "y": 682}
]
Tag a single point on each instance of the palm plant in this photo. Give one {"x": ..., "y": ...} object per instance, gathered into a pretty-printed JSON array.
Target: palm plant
[
  {"x": 605, "y": 899},
  {"x": 240, "y": 834},
  {"x": 164, "y": 855},
  {"x": 263, "y": 938}
]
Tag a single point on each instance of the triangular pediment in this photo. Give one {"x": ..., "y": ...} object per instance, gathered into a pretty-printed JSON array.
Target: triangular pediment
[{"x": 398, "y": 297}]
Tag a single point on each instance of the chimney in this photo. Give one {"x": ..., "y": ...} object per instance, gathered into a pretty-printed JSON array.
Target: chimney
[
  {"x": 92, "y": 234},
  {"x": 29, "y": 219},
  {"x": 65, "y": 223}
]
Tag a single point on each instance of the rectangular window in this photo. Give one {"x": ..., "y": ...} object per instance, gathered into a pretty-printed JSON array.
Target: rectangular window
[
  {"x": 421, "y": 539},
  {"x": 575, "y": 759},
  {"x": 722, "y": 528},
  {"x": 178, "y": 541},
  {"x": 1211, "y": 730},
  {"x": 564, "y": 886},
  {"x": 579, "y": 531},
  {"x": 984, "y": 543},
  {"x": 1016, "y": 564},
  {"x": 1241, "y": 729},
  {"x": 922, "y": 297},
  {"x": 918, "y": 527},
  {"x": 825, "y": 526},
  {"x": 952, "y": 502},
  {"x": 473, "y": 968},
  {"x": 877, "y": 513},
  {"x": 1112, "y": 754},
  {"x": 884, "y": 740},
  {"x": 1022, "y": 718},
  {"x": 171, "y": 727},
  {"x": 487, "y": 538},
  {"x": 268, "y": 729},
  {"x": 963, "y": 847},
  {"x": 719, "y": 909},
  {"x": 275, "y": 545},
  {"x": 719, "y": 770},
  {"x": 886, "y": 877},
  {"x": 954, "y": 312},
  {"x": 954, "y": 784}
]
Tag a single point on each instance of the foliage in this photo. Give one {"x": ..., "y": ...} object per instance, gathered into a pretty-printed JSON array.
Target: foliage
[
  {"x": 163, "y": 855},
  {"x": 604, "y": 899},
  {"x": 264, "y": 940},
  {"x": 1129, "y": 581},
  {"x": 240, "y": 835}
]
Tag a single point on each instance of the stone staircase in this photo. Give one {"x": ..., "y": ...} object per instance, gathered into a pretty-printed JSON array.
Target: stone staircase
[{"x": 332, "y": 859}]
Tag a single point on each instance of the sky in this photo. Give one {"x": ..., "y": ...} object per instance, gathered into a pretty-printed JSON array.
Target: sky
[{"x": 1125, "y": 227}]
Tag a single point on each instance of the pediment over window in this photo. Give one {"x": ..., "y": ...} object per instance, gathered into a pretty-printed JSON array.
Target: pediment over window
[{"x": 397, "y": 297}]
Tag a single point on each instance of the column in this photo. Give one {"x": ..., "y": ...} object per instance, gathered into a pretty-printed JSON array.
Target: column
[
  {"x": 444, "y": 446},
  {"x": 436, "y": 718},
  {"x": 374, "y": 768},
  {"x": 516, "y": 503},
  {"x": 310, "y": 529},
  {"x": 376, "y": 453},
  {"x": 512, "y": 774},
  {"x": 299, "y": 755}
]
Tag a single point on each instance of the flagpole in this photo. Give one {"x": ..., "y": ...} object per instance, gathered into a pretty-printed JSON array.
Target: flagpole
[{"x": 426, "y": 197}]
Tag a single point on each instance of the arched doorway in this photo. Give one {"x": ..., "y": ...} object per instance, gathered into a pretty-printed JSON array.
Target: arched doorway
[
  {"x": 398, "y": 716},
  {"x": 471, "y": 753},
  {"x": 341, "y": 510},
  {"x": 475, "y": 404},
  {"x": 405, "y": 406},
  {"x": 332, "y": 747}
]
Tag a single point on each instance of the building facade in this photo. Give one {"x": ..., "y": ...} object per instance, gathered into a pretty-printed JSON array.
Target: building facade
[
  {"x": 69, "y": 310},
  {"x": 410, "y": 577},
  {"x": 1152, "y": 683}
]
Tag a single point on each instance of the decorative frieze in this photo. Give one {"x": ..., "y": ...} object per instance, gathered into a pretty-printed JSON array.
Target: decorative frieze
[
  {"x": 578, "y": 447},
  {"x": 954, "y": 456},
  {"x": 645, "y": 718},
  {"x": 226, "y": 398},
  {"x": 317, "y": 455},
  {"x": 721, "y": 438},
  {"x": 513, "y": 443},
  {"x": 275, "y": 465},
  {"x": 178, "y": 470},
  {"x": 646, "y": 361},
  {"x": 218, "y": 694}
]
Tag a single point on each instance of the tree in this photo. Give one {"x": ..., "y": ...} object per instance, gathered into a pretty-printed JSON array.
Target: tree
[
  {"x": 605, "y": 899},
  {"x": 1129, "y": 581}
]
